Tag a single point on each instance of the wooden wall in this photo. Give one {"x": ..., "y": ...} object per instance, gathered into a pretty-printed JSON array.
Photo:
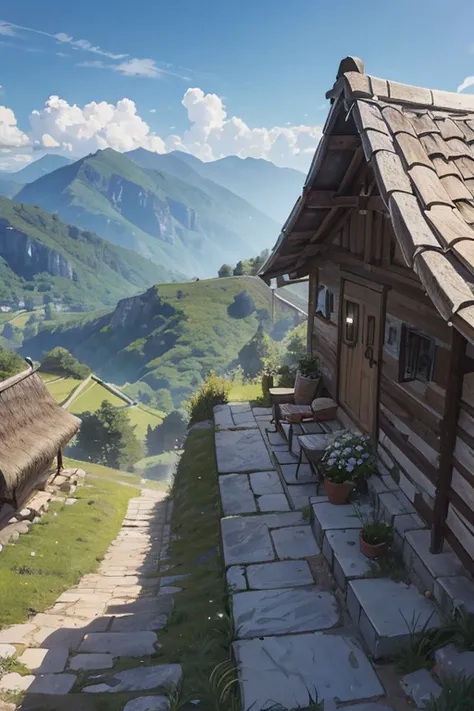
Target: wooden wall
[{"x": 322, "y": 332}]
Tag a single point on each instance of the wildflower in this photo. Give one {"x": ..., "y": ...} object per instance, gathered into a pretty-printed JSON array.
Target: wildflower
[
  {"x": 365, "y": 455},
  {"x": 359, "y": 448},
  {"x": 32, "y": 554},
  {"x": 360, "y": 461},
  {"x": 351, "y": 461},
  {"x": 331, "y": 462},
  {"x": 349, "y": 468}
]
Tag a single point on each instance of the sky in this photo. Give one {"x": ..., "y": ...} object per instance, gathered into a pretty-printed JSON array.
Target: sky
[{"x": 211, "y": 77}]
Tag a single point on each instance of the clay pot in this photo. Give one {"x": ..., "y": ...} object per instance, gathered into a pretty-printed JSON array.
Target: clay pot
[
  {"x": 338, "y": 493},
  {"x": 305, "y": 389},
  {"x": 372, "y": 550},
  {"x": 267, "y": 383}
]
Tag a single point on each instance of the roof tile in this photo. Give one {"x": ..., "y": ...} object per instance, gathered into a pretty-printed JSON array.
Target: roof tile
[
  {"x": 406, "y": 94},
  {"x": 379, "y": 87},
  {"x": 390, "y": 174},
  {"x": 457, "y": 148},
  {"x": 464, "y": 251},
  {"x": 373, "y": 141},
  {"x": 397, "y": 121},
  {"x": 467, "y": 211},
  {"x": 423, "y": 124},
  {"x": 357, "y": 85},
  {"x": 412, "y": 151},
  {"x": 470, "y": 184},
  {"x": 467, "y": 130},
  {"x": 456, "y": 188},
  {"x": 410, "y": 225},
  {"x": 448, "y": 224},
  {"x": 434, "y": 145},
  {"x": 445, "y": 167},
  {"x": 465, "y": 166},
  {"x": 445, "y": 285},
  {"x": 449, "y": 129},
  {"x": 428, "y": 186},
  {"x": 368, "y": 115},
  {"x": 453, "y": 102}
]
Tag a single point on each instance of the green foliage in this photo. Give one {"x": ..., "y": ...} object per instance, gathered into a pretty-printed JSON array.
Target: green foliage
[
  {"x": 162, "y": 400},
  {"x": 457, "y": 695},
  {"x": 106, "y": 437},
  {"x": 309, "y": 367},
  {"x": 102, "y": 273},
  {"x": 225, "y": 271},
  {"x": 375, "y": 530},
  {"x": 462, "y": 631},
  {"x": 213, "y": 391},
  {"x": 348, "y": 458},
  {"x": 61, "y": 362},
  {"x": 250, "y": 267},
  {"x": 295, "y": 345},
  {"x": 10, "y": 363},
  {"x": 49, "y": 312},
  {"x": 168, "y": 435},
  {"x": 257, "y": 353},
  {"x": 242, "y": 306}
]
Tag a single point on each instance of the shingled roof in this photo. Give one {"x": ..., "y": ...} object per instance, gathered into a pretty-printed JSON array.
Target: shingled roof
[{"x": 420, "y": 145}]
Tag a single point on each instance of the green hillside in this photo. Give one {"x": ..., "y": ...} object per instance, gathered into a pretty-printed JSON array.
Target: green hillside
[
  {"x": 183, "y": 225},
  {"x": 42, "y": 256},
  {"x": 168, "y": 338}
]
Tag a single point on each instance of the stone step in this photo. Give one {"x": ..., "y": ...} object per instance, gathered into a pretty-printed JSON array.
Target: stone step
[{"x": 388, "y": 613}]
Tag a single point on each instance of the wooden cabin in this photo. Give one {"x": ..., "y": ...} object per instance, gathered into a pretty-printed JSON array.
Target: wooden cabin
[
  {"x": 384, "y": 230},
  {"x": 33, "y": 430}
]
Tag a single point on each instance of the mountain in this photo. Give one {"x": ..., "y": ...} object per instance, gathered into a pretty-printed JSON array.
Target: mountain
[
  {"x": 8, "y": 187},
  {"x": 160, "y": 216},
  {"x": 40, "y": 255},
  {"x": 271, "y": 189},
  {"x": 170, "y": 337},
  {"x": 38, "y": 168}
]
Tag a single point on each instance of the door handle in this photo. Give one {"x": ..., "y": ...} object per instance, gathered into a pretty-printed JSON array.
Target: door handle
[{"x": 369, "y": 355}]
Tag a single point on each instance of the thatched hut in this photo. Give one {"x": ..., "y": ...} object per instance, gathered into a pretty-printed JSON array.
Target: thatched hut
[{"x": 33, "y": 430}]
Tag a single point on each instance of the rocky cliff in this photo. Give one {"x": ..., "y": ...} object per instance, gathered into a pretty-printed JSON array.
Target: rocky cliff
[{"x": 27, "y": 257}]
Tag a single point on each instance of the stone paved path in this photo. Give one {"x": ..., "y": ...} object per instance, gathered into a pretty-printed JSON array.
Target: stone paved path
[
  {"x": 293, "y": 638},
  {"x": 94, "y": 639}
]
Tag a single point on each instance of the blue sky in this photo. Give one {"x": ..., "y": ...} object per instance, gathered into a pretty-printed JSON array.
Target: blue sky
[{"x": 267, "y": 63}]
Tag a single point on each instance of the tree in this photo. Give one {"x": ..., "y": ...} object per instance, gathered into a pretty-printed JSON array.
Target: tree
[
  {"x": 256, "y": 352},
  {"x": 242, "y": 306},
  {"x": 295, "y": 343},
  {"x": 10, "y": 363},
  {"x": 49, "y": 312},
  {"x": 163, "y": 400},
  {"x": 29, "y": 303},
  {"x": 169, "y": 435},
  {"x": 60, "y": 362},
  {"x": 225, "y": 271},
  {"x": 243, "y": 267},
  {"x": 8, "y": 331},
  {"x": 107, "y": 437}
]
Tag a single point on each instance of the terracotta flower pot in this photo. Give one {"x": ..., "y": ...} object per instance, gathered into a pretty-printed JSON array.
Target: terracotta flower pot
[
  {"x": 372, "y": 550},
  {"x": 338, "y": 493}
]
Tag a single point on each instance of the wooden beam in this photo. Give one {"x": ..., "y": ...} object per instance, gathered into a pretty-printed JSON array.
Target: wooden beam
[
  {"x": 343, "y": 143},
  {"x": 324, "y": 199},
  {"x": 448, "y": 439}
]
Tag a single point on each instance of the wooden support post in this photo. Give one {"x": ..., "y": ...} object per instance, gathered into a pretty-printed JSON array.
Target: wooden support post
[
  {"x": 60, "y": 461},
  {"x": 448, "y": 439},
  {"x": 312, "y": 302}
]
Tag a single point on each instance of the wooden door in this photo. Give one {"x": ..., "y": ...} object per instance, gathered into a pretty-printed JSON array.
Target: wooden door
[{"x": 359, "y": 352}]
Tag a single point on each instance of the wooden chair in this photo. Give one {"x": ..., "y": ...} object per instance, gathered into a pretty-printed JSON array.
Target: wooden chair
[
  {"x": 313, "y": 447},
  {"x": 321, "y": 409}
]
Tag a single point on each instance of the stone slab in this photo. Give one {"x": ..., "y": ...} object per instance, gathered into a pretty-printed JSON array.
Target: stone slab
[
  {"x": 91, "y": 661},
  {"x": 14, "y": 682},
  {"x": 341, "y": 549},
  {"x": 52, "y": 684},
  {"x": 301, "y": 494},
  {"x": 148, "y": 703},
  {"x": 295, "y": 542},
  {"x": 283, "y": 456},
  {"x": 16, "y": 634},
  {"x": 241, "y": 451},
  {"x": 223, "y": 417},
  {"x": 139, "y": 679},
  {"x": 45, "y": 661},
  {"x": 273, "y": 502},
  {"x": 7, "y": 651},
  {"x": 387, "y": 613},
  {"x": 236, "y": 578},
  {"x": 328, "y": 517},
  {"x": 246, "y": 540},
  {"x": 427, "y": 565},
  {"x": 265, "y": 483},
  {"x": 236, "y": 494},
  {"x": 262, "y": 411},
  {"x": 455, "y": 593},
  {"x": 450, "y": 662},
  {"x": 286, "y": 611},
  {"x": 120, "y": 644},
  {"x": 282, "y": 574},
  {"x": 281, "y": 520},
  {"x": 305, "y": 475},
  {"x": 280, "y": 671},
  {"x": 146, "y": 621},
  {"x": 52, "y": 637},
  {"x": 275, "y": 439},
  {"x": 420, "y": 687}
]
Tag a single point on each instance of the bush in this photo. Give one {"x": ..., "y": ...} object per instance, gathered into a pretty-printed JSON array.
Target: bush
[
  {"x": 60, "y": 362},
  {"x": 213, "y": 391},
  {"x": 10, "y": 363}
]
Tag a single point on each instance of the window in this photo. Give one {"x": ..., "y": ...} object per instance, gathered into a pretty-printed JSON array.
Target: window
[
  {"x": 350, "y": 322},
  {"x": 325, "y": 302},
  {"x": 416, "y": 356}
]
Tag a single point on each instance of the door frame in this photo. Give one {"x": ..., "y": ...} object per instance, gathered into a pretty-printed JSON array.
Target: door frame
[{"x": 382, "y": 290}]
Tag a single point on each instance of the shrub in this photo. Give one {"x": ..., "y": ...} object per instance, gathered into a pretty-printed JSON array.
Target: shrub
[
  {"x": 60, "y": 362},
  {"x": 10, "y": 363},
  {"x": 213, "y": 391}
]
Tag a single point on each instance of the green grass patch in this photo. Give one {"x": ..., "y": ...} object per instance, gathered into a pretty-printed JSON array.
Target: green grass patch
[
  {"x": 140, "y": 418},
  {"x": 67, "y": 543},
  {"x": 199, "y": 632},
  {"x": 98, "y": 471},
  {"x": 92, "y": 397},
  {"x": 247, "y": 392},
  {"x": 62, "y": 389},
  {"x": 49, "y": 377},
  {"x": 159, "y": 466}
]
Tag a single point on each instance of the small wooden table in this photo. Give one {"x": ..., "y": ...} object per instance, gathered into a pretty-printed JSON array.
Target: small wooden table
[
  {"x": 279, "y": 396},
  {"x": 313, "y": 446}
]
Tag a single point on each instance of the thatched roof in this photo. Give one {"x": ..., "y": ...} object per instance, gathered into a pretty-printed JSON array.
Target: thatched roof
[
  {"x": 32, "y": 429},
  {"x": 420, "y": 145}
]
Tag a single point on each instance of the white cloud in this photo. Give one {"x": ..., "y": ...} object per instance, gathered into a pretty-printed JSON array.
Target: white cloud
[
  {"x": 7, "y": 29},
  {"x": 10, "y": 134},
  {"x": 139, "y": 68},
  {"x": 468, "y": 81},
  {"x": 85, "y": 45},
  {"x": 77, "y": 130}
]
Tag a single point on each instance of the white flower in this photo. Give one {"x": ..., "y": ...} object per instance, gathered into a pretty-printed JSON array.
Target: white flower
[
  {"x": 331, "y": 462},
  {"x": 360, "y": 461},
  {"x": 349, "y": 468},
  {"x": 365, "y": 455},
  {"x": 359, "y": 448},
  {"x": 347, "y": 450},
  {"x": 351, "y": 461},
  {"x": 340, "y": 466},
  {"x": 32, "y": 554}
]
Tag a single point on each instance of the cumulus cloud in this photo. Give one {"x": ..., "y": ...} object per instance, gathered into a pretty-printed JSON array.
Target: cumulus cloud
[
  {"x": 212, "y": 134},
  {"x": 468, "y": 81},
  {"x": 10, "y": 134}
]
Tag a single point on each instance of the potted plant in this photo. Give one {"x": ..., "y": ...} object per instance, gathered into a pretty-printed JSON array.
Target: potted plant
[
  {"x": 375, "y": 537},
  {"x": 347, "y": 461},
  {"x": 307, "y": 380}
]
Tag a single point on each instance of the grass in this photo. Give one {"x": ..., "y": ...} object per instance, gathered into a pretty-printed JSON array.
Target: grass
[
  {"x": 141, "y": 418},
  {"x": 457, "y": 695},
  {"x": 49, "y": 377},
  {"x": 98, "y": 471},
  {"x": 92, "y": 397},
  {"x": 158, "y": 466},
  {"x": 248, "y": 392},
  {"x": 200, "y": 631},
  {"x": 62, "y": 389},
  {"x": 67, "y": 543}
]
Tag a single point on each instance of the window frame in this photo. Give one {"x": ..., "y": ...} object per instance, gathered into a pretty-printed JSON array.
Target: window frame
[
  {"x": 405, "y": 357},
  {"x": 328, "y": 303}
]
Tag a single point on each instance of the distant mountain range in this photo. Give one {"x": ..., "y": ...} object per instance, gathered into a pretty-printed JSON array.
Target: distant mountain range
[
  {"x": 41, "y": 256},
  {"x": 189, "y": 223},
  {"x": 37, "y": 169}
]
